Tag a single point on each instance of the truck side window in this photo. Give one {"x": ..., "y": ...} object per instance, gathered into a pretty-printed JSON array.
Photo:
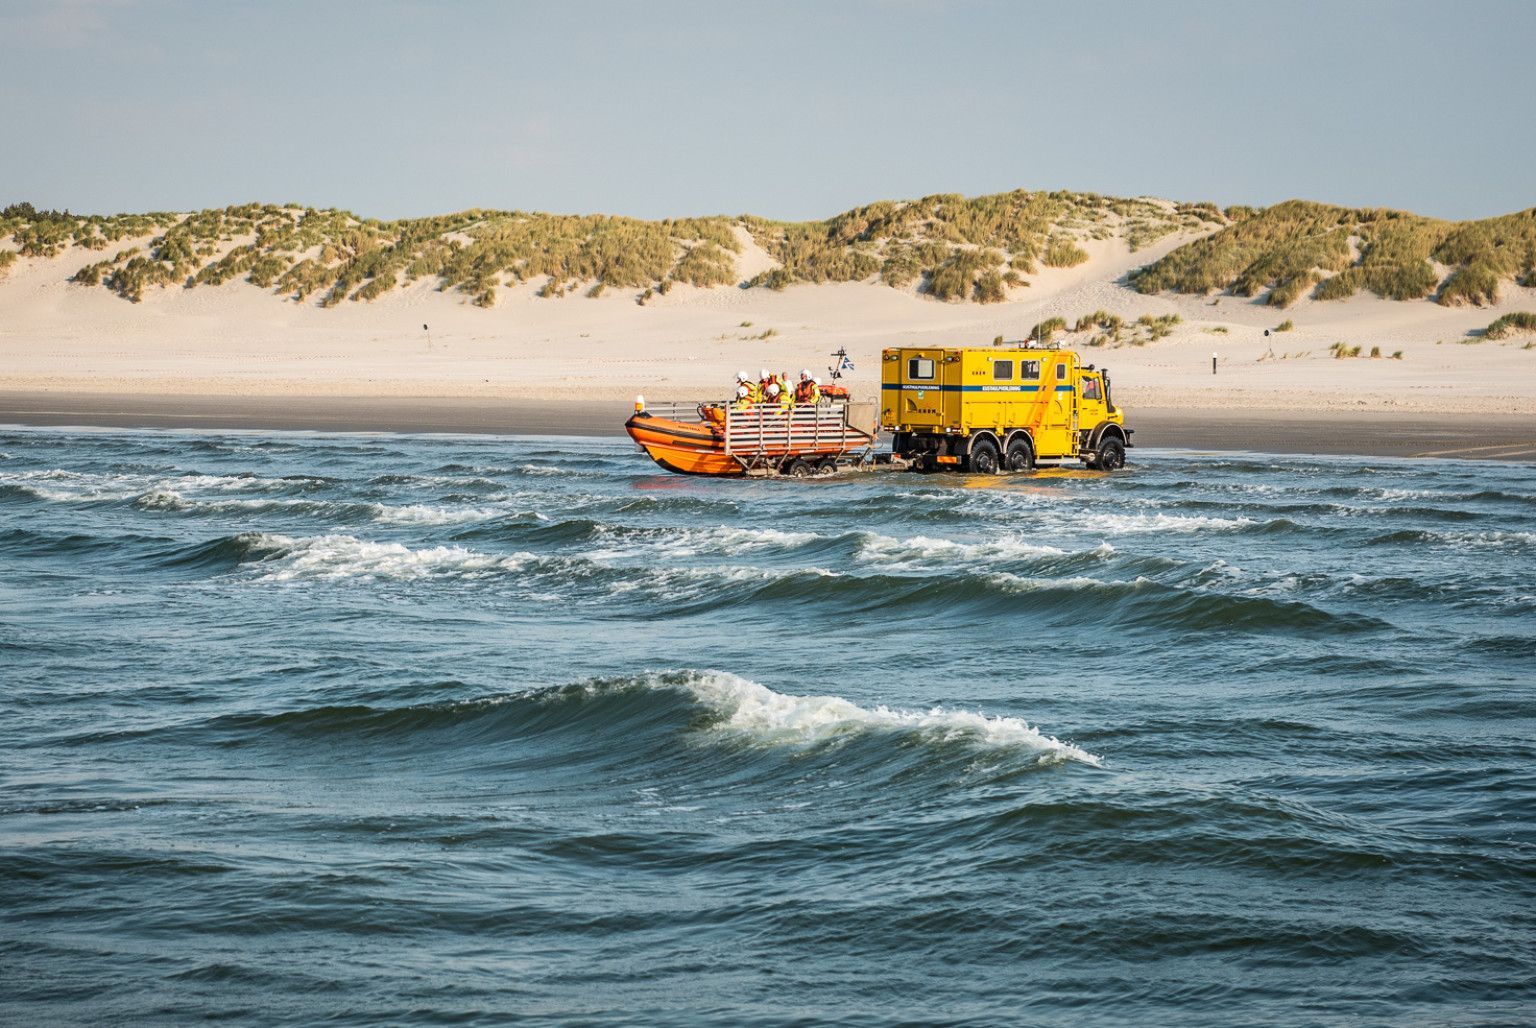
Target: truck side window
[
  {"x": 1029, "y": 369},
  {"x": 1061, "y": 371},
  {"x": 1002, "y": 371},
  {"x": 920, "y": 367},
  {"x": 1090, "y": 389}
]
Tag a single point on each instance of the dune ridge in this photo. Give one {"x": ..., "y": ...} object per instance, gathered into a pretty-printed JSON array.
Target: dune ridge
[{"x": 272, "y": 301}]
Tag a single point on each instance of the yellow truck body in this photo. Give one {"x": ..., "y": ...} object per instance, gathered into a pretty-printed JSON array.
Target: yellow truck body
[{"x": 993, "y": 408}]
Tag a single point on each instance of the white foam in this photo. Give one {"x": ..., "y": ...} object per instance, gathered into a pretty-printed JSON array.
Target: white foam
[
  {"x": 329, "y": 558},
  {"x": 722, "y": 540},
  {"x": 884, "y": 549},
  {"x": 426, "y": 514},
  {"x": 1018, "y": 583},
  {"x": 161, "y": 499},
  {"x": 1137, "y": 524},
  {"x": 758, "y": 712},
  {"x": 64, "y": 486}
]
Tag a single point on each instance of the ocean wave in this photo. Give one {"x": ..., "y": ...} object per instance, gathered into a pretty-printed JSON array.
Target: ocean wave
[
  {"x": 884, "y": 549},
  {"x": 749, "y": 709},
  {"x": 1487, "y": 539},
  {"x": 331, "y": 558},
  {"x": 716, "y": 707},
  {"x": 617, "y": 541},
  {"x": 430, "y": 514},
  {"x": 1055, "y": 518}
]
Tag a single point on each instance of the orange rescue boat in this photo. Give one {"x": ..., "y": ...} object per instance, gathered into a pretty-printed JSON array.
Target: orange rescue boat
[{"x": 764, "y": 439}]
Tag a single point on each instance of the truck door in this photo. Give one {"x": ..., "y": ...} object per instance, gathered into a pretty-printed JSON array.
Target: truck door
[
  {"x": 922, "y": 377},
  {"x": 1091, "y": 405},
  {"x": 1055, "y": 436}
]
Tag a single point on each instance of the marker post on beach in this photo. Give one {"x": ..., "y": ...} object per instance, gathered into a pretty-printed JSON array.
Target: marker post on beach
[{"x": 1214, "y": 355}]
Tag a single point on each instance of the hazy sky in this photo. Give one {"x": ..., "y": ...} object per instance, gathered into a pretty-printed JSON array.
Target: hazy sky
[{"x": 786, "y": 109}]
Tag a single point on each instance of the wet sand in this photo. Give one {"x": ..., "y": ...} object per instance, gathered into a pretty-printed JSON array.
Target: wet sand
[{"x": 1492, "y": 437}]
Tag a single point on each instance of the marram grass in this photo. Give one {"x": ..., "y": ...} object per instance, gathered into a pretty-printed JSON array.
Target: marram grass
[
  {"x": 947, "y": 246},
  {"x": 1284, "y": 251}
]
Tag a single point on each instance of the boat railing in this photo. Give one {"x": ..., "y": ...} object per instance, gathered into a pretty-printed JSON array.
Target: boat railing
[
  {"x": 812, "y": 427},
  {"x": 679, "y": 410},
  {"x": 770, "y": 430}
]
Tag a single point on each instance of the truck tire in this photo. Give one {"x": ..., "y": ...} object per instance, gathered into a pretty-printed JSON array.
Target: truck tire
[
  {"x": 826, "y": 466},
  {"x": 1021, "y": 455},
  {"x": 983, "y": 459},
  {"x": 1111, "y": 455},
  {"x": 799, "y": 468}
]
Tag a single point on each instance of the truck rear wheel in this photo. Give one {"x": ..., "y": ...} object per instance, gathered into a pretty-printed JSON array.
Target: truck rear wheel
[
  {"x": 984, "y": 459},
  {"x": 1021, "y": 455},
  {"x": 799, "y": 468},
  {"x": 1111, "y": 455}
]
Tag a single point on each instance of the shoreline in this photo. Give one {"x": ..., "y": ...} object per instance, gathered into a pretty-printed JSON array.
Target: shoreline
[{"x": 1366, "y": 434}]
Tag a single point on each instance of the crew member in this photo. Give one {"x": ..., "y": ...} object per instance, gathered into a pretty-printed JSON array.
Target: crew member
[
  {"x": 806, "y": 390},
  {"x": 743, "y": 398}
]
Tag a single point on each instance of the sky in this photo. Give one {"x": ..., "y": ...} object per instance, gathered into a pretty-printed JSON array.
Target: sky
[{"x": 786, "y": 109}]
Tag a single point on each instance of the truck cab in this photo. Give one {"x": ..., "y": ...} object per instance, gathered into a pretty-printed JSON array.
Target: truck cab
[{"x": 989, "y": 409}]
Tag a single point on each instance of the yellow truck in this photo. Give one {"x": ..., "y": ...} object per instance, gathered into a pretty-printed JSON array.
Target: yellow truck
[{"x": 999, "y": 408}]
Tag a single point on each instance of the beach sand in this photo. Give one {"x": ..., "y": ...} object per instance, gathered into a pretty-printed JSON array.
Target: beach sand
[
  {"x": 237, "y": 356},
  {"x": 1391, "y": 434}
]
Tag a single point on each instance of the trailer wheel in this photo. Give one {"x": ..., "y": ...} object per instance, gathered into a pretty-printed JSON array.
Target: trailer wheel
[
  {"x": 1111, "y": 454},
  {"x": 1021, "y": 455},
  {"x": 826, "y": 466},
  {"x": 799, "y": 468},
  {"x": 984, "y": 457}
]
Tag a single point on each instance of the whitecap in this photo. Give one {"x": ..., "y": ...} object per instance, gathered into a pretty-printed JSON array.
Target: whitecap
[
  {"x": 884, "y": 549},
  {"x": 747, "y": 708},
  {"x": 329, "y": 558}
]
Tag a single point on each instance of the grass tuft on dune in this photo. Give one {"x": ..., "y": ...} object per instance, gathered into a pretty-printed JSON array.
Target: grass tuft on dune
[{"x": 1296, "y": 246}]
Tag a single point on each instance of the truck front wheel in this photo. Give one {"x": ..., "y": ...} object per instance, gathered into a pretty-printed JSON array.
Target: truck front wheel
[
  {"x": 1111, "y": 455},
  {"x": 984, "y": 457}
]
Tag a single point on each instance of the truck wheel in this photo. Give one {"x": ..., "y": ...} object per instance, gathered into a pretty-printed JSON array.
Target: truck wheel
[
  {"x": 1021, "y": 455},
  {"x": 1111, "y": 455},
  {"x": 799, "y": 468},
  {"x": 826, "y": 466},
  {"x": 984, "y": 457}
]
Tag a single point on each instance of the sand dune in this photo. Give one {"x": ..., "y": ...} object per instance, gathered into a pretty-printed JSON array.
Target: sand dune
[{"x": 237, "y": 339}]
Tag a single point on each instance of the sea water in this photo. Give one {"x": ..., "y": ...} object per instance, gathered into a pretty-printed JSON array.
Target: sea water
[{"x": 366, "y": 729}]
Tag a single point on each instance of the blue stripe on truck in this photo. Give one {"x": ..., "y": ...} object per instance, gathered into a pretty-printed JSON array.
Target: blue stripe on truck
[{"x": 892, "y": 387}]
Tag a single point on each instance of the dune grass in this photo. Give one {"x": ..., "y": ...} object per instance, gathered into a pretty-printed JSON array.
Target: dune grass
[
  {"x": 949, "y": 247},
  {"x": 1285, "y": 250},
  {"x": 1510, "y": 324},
  {"x": 1045, "y": 330}
]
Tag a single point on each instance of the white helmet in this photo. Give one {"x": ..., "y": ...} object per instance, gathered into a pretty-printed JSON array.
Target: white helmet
[
  {"x": 773, "y": 389},
  {"x": 766, "y": 373},
  {"x": 741, "y": 392},
  {"x": 741, "y": 376},
  {"x": 805, "y": 373}
]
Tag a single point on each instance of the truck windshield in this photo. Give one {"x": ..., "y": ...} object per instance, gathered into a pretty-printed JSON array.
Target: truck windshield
[{"x": 920, "y": 367}]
